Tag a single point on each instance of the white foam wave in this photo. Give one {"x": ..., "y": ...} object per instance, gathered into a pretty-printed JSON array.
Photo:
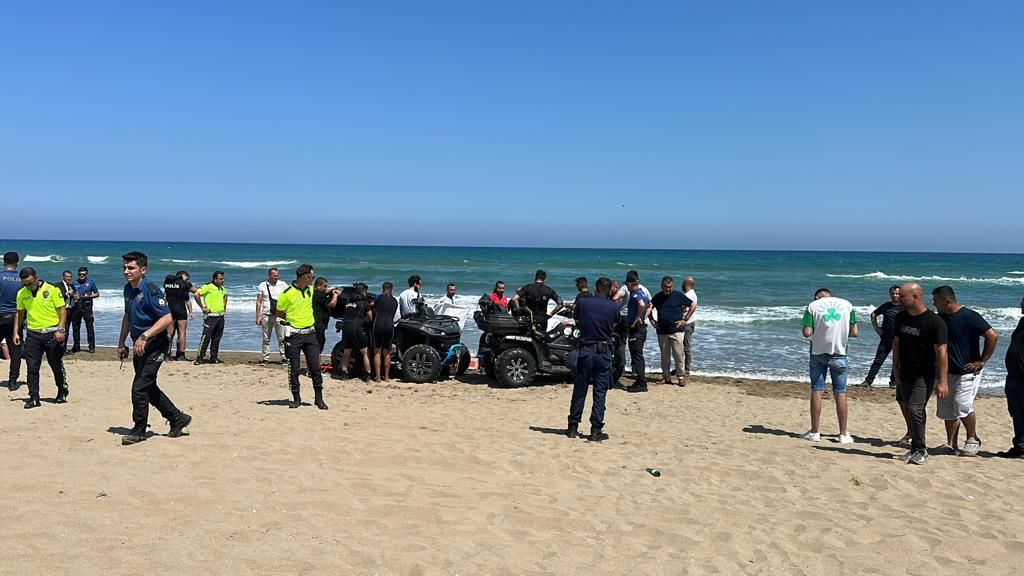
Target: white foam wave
[
  {"x": 97, "y": 259},
  {"x": 48, "y": 258},
  {"x": 266, "y": 263},
  {"x": 178, "y": 261},
  {"x": 1016, "y": 272},
  {"x": 1003, "y": 281}
]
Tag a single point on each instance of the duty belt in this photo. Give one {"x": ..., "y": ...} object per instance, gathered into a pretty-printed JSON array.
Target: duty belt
[
  {"x": 303, "y": 330},
  {"x": 49, "y": 330},
  {"x": 215, "y": 314}
]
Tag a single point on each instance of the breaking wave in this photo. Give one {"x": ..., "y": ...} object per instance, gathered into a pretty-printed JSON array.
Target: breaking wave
[
  {"x": 266, "y": 263},
  {"x": 48, "y": 258},
  {"x": 97, "y": 259},
  {"x": 1003, "y": 281}
]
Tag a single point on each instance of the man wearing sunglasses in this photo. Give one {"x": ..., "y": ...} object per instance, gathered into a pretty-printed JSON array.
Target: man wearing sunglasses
[{"x": 86, "y": 291}]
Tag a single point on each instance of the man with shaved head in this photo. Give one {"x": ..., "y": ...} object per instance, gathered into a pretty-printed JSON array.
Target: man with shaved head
[{"x": 919, "y": 365}]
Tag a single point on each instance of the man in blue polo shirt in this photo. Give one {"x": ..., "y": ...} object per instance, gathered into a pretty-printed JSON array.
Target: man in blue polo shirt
[
  {"x": 10, "y": 283},
  {"x": 638, "y": 310},
  {"x": 146, "y": 319},
  {"x": 86, "y": 291}
]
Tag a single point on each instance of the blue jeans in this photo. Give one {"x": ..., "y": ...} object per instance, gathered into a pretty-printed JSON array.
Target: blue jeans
[
  {"x": 836, "y": 364},
  {"x": 591, "y": 365}
]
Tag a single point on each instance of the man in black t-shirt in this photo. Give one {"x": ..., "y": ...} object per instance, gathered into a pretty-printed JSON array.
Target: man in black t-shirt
[
  {"x": 178, "y": 291},
  {"x": 919, "y": 363},
  {"x": 354, "y": 324},
  {"x": 886, "y": 332},
  {"x": 536, "y": 296},
  {"x": 673, "y": 311},
  {"x": 1015, "y": 388},
  {"x": 964, "y": 328},
  {"x": 323, "y": 300}
]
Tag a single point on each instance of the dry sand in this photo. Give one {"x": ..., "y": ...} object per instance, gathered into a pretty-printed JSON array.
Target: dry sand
[{"x": 460, "y": 478}]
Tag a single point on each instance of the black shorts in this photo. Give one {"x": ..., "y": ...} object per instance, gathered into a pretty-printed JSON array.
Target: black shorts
[
  {"x": 354, "y": 336},
  {"x": 179, "y": 314},
  {"x": 383, "y": 336}
]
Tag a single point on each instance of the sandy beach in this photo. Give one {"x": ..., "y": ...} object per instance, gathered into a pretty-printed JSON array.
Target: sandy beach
[{"x": 461, "y": 478}]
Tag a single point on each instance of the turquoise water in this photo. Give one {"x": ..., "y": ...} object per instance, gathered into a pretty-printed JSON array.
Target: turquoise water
[{"x": 750, "y": 301}]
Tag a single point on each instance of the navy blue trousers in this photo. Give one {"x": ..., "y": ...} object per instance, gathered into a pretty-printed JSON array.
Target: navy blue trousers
[{"x": 591, "y": 365}]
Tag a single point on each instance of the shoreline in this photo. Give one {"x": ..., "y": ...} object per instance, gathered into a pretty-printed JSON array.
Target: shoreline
[{"x": 752, "y": 386}]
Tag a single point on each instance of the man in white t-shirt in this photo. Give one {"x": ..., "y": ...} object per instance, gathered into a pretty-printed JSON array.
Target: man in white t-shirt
[
  {"x": 829, "y": 322},
  {"x": 691, "y": 322},
  {"x": 407, "y": 299},
  {"x": 266, "y": 312}
]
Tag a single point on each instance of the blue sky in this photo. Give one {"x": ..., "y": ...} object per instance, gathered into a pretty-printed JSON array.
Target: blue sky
[{"x": 799, "y": 125}]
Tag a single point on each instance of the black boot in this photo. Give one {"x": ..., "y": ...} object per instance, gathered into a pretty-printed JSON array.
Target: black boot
[
  {"x": 62, "y": 397},
  {"x": 296, "y": 400},
  {"x": 32, "y": 403},
  {"x": 319, "y": 402},
  {"x": 597, "y": 434},
  {"x": 135, "y": 436},
  {"x": 179, "y": 425},
  {"x": 573, "y": 431}
]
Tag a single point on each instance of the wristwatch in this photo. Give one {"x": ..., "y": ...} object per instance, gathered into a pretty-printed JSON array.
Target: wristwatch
[{"x": 143, "y": 337}]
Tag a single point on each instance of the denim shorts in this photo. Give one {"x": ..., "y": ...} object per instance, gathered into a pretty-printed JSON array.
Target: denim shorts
[{"x": 835, "y": 364}]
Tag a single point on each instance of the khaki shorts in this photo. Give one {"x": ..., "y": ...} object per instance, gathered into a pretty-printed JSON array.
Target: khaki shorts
[{"x": 963, "y": 388}]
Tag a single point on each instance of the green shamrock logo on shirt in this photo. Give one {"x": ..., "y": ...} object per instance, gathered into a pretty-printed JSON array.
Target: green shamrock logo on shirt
[{"x": 831, "y": 316}]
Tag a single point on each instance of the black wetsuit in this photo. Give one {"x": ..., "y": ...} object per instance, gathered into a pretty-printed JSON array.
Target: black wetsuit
[
  {"x": 384, "y": 321},
  {"x": 353, "y": 325}
]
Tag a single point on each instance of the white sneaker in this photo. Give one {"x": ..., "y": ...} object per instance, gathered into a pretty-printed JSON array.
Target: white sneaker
[
  {"x": 845, "y": 439},
  {"x": 811, "y": 436}
]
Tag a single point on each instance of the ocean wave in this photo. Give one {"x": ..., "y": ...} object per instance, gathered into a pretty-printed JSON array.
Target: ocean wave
[
  {"x": 1003, "y": 281},
  {"x": 48, "y": 258},
  {"x": 178, "y": 261},
  {"x": 266, "y": 263},
  {"x": 1016, "y": 272},
  {"x": 97, "y": 259}
]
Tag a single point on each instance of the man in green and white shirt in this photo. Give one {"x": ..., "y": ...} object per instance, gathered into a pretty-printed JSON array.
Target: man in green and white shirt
[{"x": 829, "y": 322}]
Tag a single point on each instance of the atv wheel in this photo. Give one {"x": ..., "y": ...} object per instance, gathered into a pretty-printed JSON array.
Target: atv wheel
[
  {"x": 464, "y": 360},
  {"x": 515, "y": 367},
  {"x": 420, "y": 364}
]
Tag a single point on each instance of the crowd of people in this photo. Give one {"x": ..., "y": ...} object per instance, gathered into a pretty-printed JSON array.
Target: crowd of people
[{"x": 941, "y": 353}]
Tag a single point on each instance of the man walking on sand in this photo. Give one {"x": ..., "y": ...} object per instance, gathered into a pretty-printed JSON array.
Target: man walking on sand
[
  {"x": 919, "y": 363},
  {"x": 964, "y": 328},
  {"x": 829, "y": 322},
  {"x": 146, "y": 319}
]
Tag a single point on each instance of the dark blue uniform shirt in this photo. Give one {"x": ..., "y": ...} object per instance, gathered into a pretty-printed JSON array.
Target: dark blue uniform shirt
[
  {"x": 83, "y": 288},
  {"x": 596, "y": 318},
  {"x": 10, "y": 283},
  {"x": 144, "y": 306}
]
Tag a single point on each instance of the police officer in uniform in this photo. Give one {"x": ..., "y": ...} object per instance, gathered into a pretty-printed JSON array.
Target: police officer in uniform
[
  {"x": 41, "y": 310},
  {"x": 146, "y": 319},
  {"x": 597, "y": 317},
  {"x": 85, "y": 292},
  {"x": 295, "y": 307},
  {"x": 213, "y": 299},
  {"x": 177, "y": 291},
  {"x": 10, "y": 284}
]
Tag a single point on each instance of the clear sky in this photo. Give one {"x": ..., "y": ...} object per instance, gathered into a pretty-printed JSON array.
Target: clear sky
[{"x": 711, "y": 124}]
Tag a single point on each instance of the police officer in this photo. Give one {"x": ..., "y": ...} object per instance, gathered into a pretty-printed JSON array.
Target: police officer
[
  {"x": 85, "y": 292},
  {"x": 146, "y": 319},
  {"x": 213, "y": 299},
  {"x": 177, "y": 291},
  {"x": 41, "y": 310},
  {"x": 295, "y": 307},
  {"x": 597, "y": 317},
  {"x": 10, "y": 284}
]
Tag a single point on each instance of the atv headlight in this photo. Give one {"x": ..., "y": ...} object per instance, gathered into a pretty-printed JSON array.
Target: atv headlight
[{"x": 433, "y": 331}]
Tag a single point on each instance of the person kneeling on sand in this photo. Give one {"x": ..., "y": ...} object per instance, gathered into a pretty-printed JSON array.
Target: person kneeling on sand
[{"x": 829, "y": 322}]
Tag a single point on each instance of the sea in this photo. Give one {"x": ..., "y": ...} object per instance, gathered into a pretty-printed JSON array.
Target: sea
[{"x": 750, "y": 302}]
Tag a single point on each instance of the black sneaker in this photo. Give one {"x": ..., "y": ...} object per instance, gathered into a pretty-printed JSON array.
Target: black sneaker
[
  {"x": 134, "y": 436},
  {"x": 216, "y": 361},
  {"x": 92, "y": 349},
  {"x": 182, "y": 357},
  {"x": 178, "y": 427},
  {"x": 573, "y": 431},
  {"x": 199, "y": 361},
  {"x": 12, "y": 385},
  {"x": 74, "y": 350},
  {"x": 62, "y": 398},
  {"x": 597, "y": 435},
  {"x": 637, "y": 388},
  {"x": 32, "y": 403}
]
